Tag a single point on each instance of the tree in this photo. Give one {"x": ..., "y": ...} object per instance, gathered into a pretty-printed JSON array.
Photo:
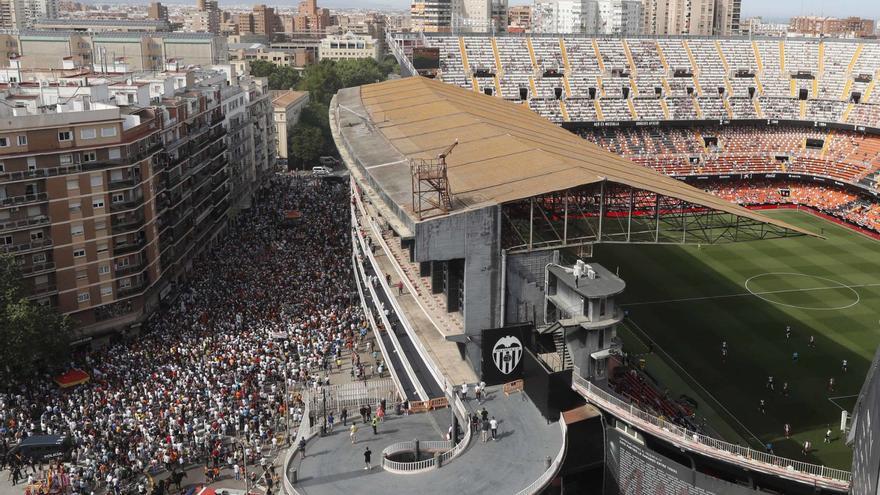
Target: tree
[
  {"x": 283, "y": 78},
  {"x": 355, "y": 72},
  {"x": 35, "y": 337},
  {"x": 321, "y": 81},
  {"x": 306, "y": 145},
  {"x": 262, "y": 68}
]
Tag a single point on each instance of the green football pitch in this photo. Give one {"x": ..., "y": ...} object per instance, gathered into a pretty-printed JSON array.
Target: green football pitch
[{"x": 686, "y": 300}]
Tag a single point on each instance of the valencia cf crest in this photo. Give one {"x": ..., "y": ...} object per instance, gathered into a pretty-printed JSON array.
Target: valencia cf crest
[{"x": 507, "y": 353}]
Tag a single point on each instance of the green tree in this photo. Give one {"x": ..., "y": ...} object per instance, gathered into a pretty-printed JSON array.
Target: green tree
[
  {"x": 321, "y": 81},
  {"x": 355, "y": 72},
  {"x": 35, "y": 337},
  {"x": 306, "y": 145},
  {"x": 283, "y": 78},
  {"x": 262, "y": 68}
]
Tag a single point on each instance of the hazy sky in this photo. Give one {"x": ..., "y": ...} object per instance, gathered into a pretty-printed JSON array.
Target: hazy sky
[{"x": 780, "y": 9}]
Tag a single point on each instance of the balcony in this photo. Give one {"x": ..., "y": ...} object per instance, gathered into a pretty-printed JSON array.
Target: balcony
[
  {"x": 43, "y": 290},
  {"x": 121, "y": 271},
  {"x": 24, "y": 223},
  {"x": 122, "y": 183},
  {"x": 30, "y": 246},
  {"x": 127, "y": 205},
  {"x": 24, "y": 199},
  {"x": 40, "y": 173},
  {"x": 128, "y": 247},
  {"x": 134, "y": 288},
  {"x": 36, "y": 269},
  {"x": 122, "y": 225}
]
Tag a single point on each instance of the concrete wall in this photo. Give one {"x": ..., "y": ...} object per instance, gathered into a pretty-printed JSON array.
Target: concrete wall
[
  {"x": 474, "y": 236},
  {"x": 524, "y": 286}
]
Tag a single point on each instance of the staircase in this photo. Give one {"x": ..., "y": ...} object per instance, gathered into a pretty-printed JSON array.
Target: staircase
[{"x": 559, "y": 341}]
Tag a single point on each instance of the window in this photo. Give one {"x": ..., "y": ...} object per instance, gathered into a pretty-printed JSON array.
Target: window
[
  {"x": 108, "y": 131},
  {"x": 72, "y": 184},
  {"x": 79, "y": 252},
  {"x": 106, "y": 291},
  {"x": 65, "y": 159},
  {"x": 22, "y": 140},
  {"x": 76, "y": 229},
  {"x": 88, "y": 134},
  {"x": 36, "y": 235},
  {"x": 39, "y": 258},
  {"x": 114, "y": 154},
  {"x": 2, "y": 167},
  {"x": 89, "y": 156},
  {"x": 83, "y": 297},
  {"x": 82, "y": 274},
  {"x": 125, "y": 283},
  {"x": 118, "y": 198},
  {"x": 103, "y": 269},
  {"x": 4, "y": 142},
  {"x": 97, "y": 180},
  {"x": 32, "y": 163},
  {"x": 97, "y": 203},
  {"x": 74, "y": 206},
  {"x": 65, "y": 136},
  {"x": 124, "y": 262},
  {"x": 100, "y": 225},
  {"x": 102, "y": 247},
  {"x": 6, "y": 240}
]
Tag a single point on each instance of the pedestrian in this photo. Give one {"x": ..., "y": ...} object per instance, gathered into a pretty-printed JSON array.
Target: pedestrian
[
  {"x": 843, "y": 366},
  {"x": 478, "y": 393},
  {"x": 812, "y": 341},
  {"x": 330, "y": 419},
  {"x": 400, "y": 288},
  {"x": 795, "y": 356},
  {"x": 785, "y": 390},
  {"x": 302, "y": 447},
  {"x": 236, "y": 469},
  {"x": 344, "y": 416},
  {"x": 493, "y": 424},
  {"x": 788, "y": 332},
  {"x": 464, "y": 391},
  {"x": 367, "y": 454},
  {"x": 484, "y": 432},
  {"x": 761, "y": 407},
  {"x": 828, "y": 435},
  {"x": 787, "y": 430},
  {"x": 375, "y": 424},
  {"x": 807, "y": 447},
  {"x": 831, "y": 384},
  {"x": 352, "y": 433}
]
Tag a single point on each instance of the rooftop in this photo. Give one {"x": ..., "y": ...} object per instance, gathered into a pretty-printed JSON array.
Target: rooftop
[
  {"x": 605, "y": 283},
  {"x": 283, "y": 99},
  {"x": 505, "y": 151}
]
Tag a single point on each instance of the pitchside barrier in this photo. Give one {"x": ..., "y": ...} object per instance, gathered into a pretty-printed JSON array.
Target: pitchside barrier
[{"x": 804, "y": 472}]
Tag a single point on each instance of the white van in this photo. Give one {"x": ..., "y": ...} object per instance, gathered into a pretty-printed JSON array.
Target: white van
[{"x": 321, "y": 171}]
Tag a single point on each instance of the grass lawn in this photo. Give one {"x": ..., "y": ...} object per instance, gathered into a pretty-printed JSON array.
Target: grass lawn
[{"x": 687, "y": 300}]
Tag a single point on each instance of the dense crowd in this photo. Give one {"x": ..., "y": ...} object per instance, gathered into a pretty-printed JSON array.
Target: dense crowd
[{"x": 265, "y": 311}]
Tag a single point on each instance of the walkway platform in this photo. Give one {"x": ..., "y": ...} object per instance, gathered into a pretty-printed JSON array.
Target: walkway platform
[{"x": 333, "y": 465}]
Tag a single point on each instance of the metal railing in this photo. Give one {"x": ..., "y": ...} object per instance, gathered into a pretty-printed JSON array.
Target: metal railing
[
  {"x": 813, "y": 474},
  {"x": 551, "y": 471},
  {"x": 407, "y": 366},
  {"x": 449, "y": 451},
  {"x": 359, "y": 274}
]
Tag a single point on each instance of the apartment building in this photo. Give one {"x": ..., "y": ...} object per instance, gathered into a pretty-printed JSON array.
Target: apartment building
[
  {"x": 103, "y": 205},
  {"x": 287, "y": 107},
  {"x": 348, "y": 46},
  {"x": 850, "y": 27},
  {"x": 431, "y": 16},
  {"x": 22, "y": 14},
  {"x": 691, "y": 17}
]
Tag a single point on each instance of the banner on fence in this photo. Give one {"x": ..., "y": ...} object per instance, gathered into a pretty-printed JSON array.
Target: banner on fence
[{"x": 503, "y": 353}]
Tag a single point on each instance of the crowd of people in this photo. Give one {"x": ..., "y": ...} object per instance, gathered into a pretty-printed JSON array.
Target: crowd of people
[{"x": 264, "y": 312}]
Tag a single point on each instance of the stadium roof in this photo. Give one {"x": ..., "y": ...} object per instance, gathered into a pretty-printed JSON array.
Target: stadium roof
[{"x": 506, "y": 152}]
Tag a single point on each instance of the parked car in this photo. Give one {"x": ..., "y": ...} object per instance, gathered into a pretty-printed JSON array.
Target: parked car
[{"x": 321, "y": 170}]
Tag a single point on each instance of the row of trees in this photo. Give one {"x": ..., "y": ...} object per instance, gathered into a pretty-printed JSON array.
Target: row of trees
[
  {"x": 311, "y": 137},
  {"x": 34, "y": 337}
]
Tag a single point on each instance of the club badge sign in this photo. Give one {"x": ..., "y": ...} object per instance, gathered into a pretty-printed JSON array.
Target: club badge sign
[{"x": 503, "y": 354}]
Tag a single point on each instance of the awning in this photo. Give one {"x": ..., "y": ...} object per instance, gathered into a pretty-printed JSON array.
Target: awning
[{"x": 72, "y": 378}]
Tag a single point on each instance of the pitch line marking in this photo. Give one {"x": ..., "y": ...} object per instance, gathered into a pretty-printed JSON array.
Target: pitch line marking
[
  {"x": 832, "y": 400},
  {"x": 741, "y": 294},
  {"x": 839, "y": 286}
]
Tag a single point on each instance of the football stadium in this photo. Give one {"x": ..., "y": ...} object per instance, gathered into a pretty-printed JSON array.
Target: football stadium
[{"x": 666, "y": 246}]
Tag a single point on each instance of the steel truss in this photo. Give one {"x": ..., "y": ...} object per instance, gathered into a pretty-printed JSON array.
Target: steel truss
[{"x": 608, "y": 212}]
